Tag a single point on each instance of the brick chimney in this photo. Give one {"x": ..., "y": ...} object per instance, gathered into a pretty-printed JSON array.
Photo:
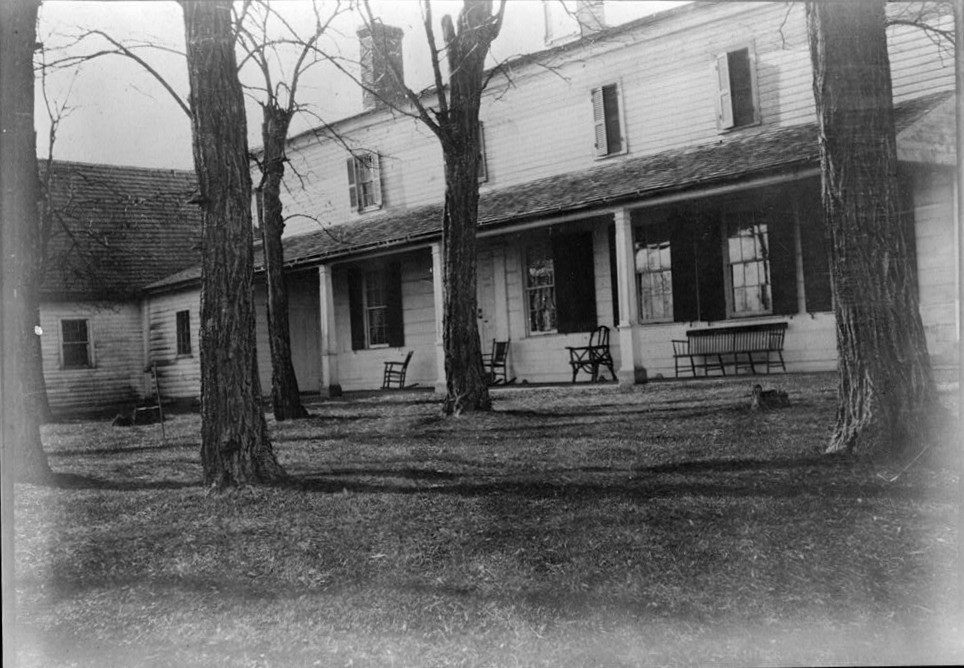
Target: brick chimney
[
  {"x": 380, "y": 46},
  {"x": 591, "y": 17}
]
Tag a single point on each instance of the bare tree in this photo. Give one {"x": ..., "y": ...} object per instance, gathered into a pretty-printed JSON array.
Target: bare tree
[
  {"x": 235, "y": 448},
  {"x": 278, "y": 101},
  {"x": 887, "y": 399},
  {"x": 18, "y": 176},
  {"x": 455, "y": 122}
]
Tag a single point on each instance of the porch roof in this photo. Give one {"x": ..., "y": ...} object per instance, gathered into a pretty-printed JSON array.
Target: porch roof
[{"x": 732, "y": 158}]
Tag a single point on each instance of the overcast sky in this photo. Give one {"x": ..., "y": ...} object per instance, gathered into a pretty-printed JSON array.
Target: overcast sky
[{"x": 120, "y": 115}]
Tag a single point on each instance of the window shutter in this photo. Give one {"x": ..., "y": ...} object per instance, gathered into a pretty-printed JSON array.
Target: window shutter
[
  {"x": 356, "y": 309},
  {"x": 709, "y": 269},
  {"x": 483, "y": 170},
  {"x": 393, "y": 297},
  {"x": 613, "y": 275},
  {"x": 599, "y": 121},
  {"x": 376, "y": 179},
  {"x": 614, "y": 139},
  {"x": 816, "y": 261},
  {"x": 352, "y": 188},
  {"x": 783, "y": 261},
  {"x": 575, "y": 273},
  {"x": 724, "y": 100},
  {"x": 682, "y": 247}
]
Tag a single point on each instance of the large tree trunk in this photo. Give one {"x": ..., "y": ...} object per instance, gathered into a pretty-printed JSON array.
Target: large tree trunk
[
  {"x": 20, "y": 235},
  {"x": 285, "y": 395},
  {"x": 887, "y": 398},
  {"x": 466, "y": 385},
  {"x": 234, "y": 438}
]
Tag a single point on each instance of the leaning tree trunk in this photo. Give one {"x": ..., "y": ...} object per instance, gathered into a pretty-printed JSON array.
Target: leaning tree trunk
[
  {"x": 285, "y": 395},
  {"x": 887, "y": 396},
  {"x": 20, "y": 242},
  {"x": 235, "y": 448}
]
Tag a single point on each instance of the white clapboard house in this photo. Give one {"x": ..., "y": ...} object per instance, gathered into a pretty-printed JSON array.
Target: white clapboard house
[{"x": 656, "y": 177}]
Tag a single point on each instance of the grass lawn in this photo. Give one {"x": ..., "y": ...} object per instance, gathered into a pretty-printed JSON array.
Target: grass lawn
[{"x": 573, "y": 526}]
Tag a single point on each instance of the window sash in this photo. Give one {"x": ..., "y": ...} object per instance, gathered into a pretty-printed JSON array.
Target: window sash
[
  {"x": 654, "y": 275},
  {"x": 183, "y": 332},
  {"x": 748, "y": 268},
  {"x": 75, "y": 343},
  {"x": 541, "y": 290},
  {"x": 364, "y": 181},
  {"x": 376, "y": 308}
]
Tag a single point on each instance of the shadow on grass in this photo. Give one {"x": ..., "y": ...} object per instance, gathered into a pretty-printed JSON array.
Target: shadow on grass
[{"x": 76, "y": 481}]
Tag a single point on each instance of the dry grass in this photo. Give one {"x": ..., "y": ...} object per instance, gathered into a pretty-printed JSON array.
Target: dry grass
[{"x": 586, "y": 526}]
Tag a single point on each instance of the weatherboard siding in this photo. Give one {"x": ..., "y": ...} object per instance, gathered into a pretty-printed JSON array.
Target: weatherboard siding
[
  {"x": 539, "y": 123},
  {"x": 179, "y": 376},
  {"x": 115, "y": 374}
]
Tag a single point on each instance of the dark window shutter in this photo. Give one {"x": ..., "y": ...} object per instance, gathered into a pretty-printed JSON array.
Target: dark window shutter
[
  {"x": 613, "y": 275},
  {"x": 816, "y": 260},
  {"x": 356, "y": 309},
  {"x": 709, "y": 269},
  {"x": 575, "y": 274},
  {"x": 783, "y": 262},
  {"x": 393, "y": 297},
  {"x": 352, "y": 189},
  {"x": 682, "y": 247},
  {"x": 614, "y": 139}
]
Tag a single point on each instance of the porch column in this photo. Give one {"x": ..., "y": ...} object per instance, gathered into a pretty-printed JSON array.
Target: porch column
[
  {"x": 628, "y": 302},
  {"x": 330, "y": 385},
  {"x": 440, "y": 380}
]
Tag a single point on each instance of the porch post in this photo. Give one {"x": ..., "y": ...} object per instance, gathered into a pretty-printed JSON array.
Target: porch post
[
  {"x": 330, "y": 385},
  {"x": 440, "y": 380},
  {"x": 628, "y": 302}
]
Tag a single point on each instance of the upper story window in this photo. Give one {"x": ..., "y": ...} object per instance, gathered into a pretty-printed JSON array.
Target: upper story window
[
  {"x": 75, "y": 342},
  {"x": 364, "y": 181},
  {"x": 748, "y": 268},
  {"x": 606, "y": 120},
  {"x": 736, "y": 95},
  {"x": 654, "y": 273},
  {"x": 483, "y": 170},
  {"x": 183, "y": 323}
]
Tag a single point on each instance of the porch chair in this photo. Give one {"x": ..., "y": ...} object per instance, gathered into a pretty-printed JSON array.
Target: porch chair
[
  {"x": 395, "y": 373},
  {"x": 590, "y": 358},
  {"x": 494, "y": 363}
]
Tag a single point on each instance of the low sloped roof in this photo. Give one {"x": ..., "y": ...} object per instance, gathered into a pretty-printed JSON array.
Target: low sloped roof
[
  {"x": 734, "y": 157},
  {"x": 117, "y": 229}
]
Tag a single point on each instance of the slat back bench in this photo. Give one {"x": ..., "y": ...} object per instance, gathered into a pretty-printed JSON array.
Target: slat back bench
[{"x": 712, "y": 349}]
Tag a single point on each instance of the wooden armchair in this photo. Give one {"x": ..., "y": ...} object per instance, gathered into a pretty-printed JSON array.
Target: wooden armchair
[
  {"x": 395, "y": 373},
  {"x": 494, "y": 363},
  {"x": 590, "y": 358}
]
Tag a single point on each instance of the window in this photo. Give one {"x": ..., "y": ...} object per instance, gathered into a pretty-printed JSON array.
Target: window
[
  {"x": 483, "y": 171},
  {"x": 736, "y": 98},
  {"x": 364, "y": 181},
  {"x": 560, "y": 283},
  {"x": 748, "y": 268},
  {"x": 605, "y": 115},
  {"x": 654, "y": 274},
  {"x": 375, "y": 306},
  {"x": 183, "y": 332},
  {"x": 540, "y": 289},
  {"x": 76, "y": 343}
]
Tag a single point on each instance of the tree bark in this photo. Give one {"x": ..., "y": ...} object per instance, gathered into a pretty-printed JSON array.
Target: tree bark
[
  {"x": 21, "y": 229},
  {"x": 466, "y": 386},
  {"x": 235, "y": 448},
  {"x": 285, "y": 395},
  {"x": 887, "y": 400}
]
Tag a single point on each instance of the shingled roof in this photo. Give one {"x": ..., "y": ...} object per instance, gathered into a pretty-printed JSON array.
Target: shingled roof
[
  {"x": 733, "y": 158},
  {"x": 116, "y": 229}
]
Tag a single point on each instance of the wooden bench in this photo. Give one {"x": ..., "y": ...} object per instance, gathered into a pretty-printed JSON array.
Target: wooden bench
[
  {"x": 590, "y": 358},
  {"x": 751, "y": 345}
]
